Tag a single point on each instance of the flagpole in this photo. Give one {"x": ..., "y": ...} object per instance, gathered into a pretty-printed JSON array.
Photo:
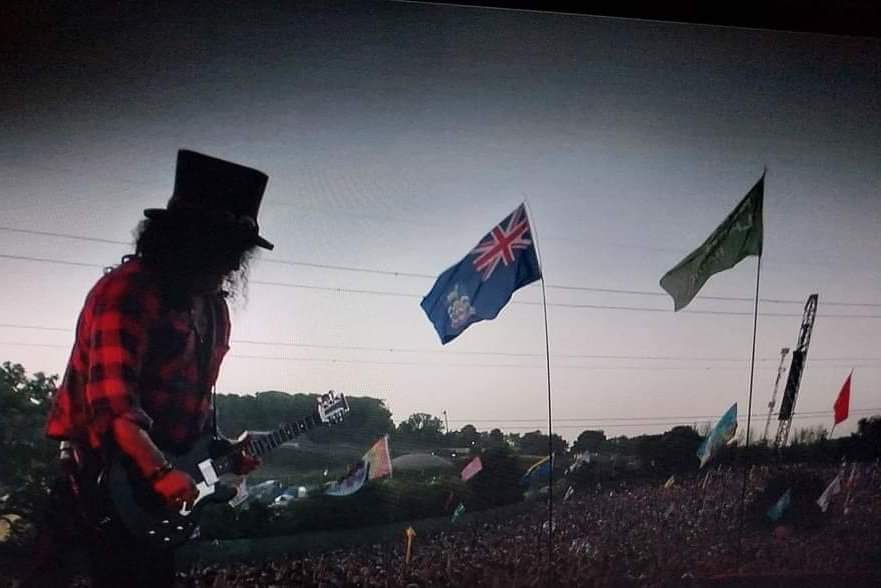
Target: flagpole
[
  {"x": 550, "y": 434},
  {"x": 749, "y": 409},
  {"x": 544, "y": 304}
]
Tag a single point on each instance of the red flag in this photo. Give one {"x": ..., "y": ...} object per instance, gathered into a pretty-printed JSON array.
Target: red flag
[
  {"x": 471, "y": 469},
  {"x": 842, "y": 403}
]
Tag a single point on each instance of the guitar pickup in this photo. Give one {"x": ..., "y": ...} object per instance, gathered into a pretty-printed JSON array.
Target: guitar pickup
[{"x": 209, "y": 474}]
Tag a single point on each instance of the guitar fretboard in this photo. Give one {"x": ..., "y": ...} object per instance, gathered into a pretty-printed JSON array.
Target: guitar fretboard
[{"x": 265, "y": 443}]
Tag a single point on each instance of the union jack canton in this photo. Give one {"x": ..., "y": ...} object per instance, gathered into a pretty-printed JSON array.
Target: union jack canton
[{"x": 479, "y": 286}]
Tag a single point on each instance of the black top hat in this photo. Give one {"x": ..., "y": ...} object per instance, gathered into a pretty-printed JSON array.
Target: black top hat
[{"x": 211, "y": 186}]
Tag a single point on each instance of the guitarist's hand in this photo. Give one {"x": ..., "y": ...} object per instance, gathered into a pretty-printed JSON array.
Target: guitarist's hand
[
  {"x": 242, "y": 462},
  {"x": 176, "y": 488},
  {"x": 245, "y": 464}
]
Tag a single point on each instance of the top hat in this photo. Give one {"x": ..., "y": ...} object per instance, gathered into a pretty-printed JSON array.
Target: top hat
[{"x": 212, "y": 187}]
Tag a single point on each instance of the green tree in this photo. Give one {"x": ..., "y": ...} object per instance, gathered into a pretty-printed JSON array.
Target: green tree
[
  {"x": 470, "y": 436},
  {"x": 496, "y": 438},
  {"x": 498, "y": 481},
  {"x": 26, "y": 456},
  {"x": 867, "y": 440},
  {"x": 421, "y": 428},
  {"x": 673, "y": 451},
  {"x": 536, "y": 443},
  {"x": 367, "y": 419},
  {"x": 592, "y": 441}
]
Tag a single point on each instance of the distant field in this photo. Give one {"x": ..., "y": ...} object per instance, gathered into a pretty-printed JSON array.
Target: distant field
[{"x": 305, "y": 463}]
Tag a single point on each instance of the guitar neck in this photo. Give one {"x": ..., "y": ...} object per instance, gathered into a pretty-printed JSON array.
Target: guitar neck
[
  {"x": 259, "y": 446},
  {"x": 263, "y": 444}
]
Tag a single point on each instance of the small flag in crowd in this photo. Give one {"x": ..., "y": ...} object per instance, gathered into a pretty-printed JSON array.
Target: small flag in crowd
[
  {"x": 670, "y": 481},
  {"x": 241, "y": 493},
  {"x": 569, "y": 492},
  {"x": 739, "y": 235},
  {"x": 851, "y": 484},
  {"x": 476, "y": 288},
  {"x": 831, "y": 490},
  {"x": 449, "y": 501},
  {"x": 376, "y": 463},
  {"x": 538, "y": 471},
  {"x": 352, "y": 482},
  {"x": 409, "y": 533},
  {"x": 842, "y": 403},
  {"x": 471, "y": 470},
  {"x": 776, "y": 511},
  {"x": 721, "y": 434},
  {"x": 706, "y": 480},
  {"x": 458, "y": 512},
  {"x": 580, "y": 460},
  {"x": 379, "y": 459}
]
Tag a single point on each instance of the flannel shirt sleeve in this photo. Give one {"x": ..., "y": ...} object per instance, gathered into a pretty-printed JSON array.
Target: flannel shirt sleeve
[{"x": 117, "y": 336}]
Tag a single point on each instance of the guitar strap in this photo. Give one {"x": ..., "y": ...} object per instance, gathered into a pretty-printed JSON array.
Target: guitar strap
[{"x": 206, "y": 355}]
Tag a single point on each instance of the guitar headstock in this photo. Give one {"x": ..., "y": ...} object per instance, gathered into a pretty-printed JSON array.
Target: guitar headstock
[{"x": 332, "y": 408}]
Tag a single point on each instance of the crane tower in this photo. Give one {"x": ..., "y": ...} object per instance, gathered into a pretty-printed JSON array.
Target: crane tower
[
  {"x": 780, "y": 368},
  {"x": 796, "y": 369}
]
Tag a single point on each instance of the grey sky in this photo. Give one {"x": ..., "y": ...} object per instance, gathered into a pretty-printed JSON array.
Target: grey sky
[{"x": 396, "y": 135}]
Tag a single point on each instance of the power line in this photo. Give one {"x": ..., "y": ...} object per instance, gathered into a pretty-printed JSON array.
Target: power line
[
  {"x": 527, "y": 354},
  {"x": 636, "y": 421},
  {"x": 47, "y": 260},
  {"x": 518, "y": 302},
  {"x": 466, "y": 352},
  {"x": 336, "y": 360},
  {"x": 518, "y": 366},
  {"x": 34, "y": 327},
  {"x": 299, "y": 263},
  {"x": 63, "y": 236},
  {"x": 686, "y": 423},
  {"x": 690, "y": 418},
  {"x": 563, "y": 304}
]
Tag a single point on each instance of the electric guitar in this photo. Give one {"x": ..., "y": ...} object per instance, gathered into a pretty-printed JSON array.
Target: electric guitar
[{"x": 148, "y": 517}]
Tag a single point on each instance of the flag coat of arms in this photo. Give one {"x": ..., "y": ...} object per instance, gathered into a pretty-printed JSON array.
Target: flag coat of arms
[
  {"x": 471, "y": 470},
  {"x": 479, "y": 286},
  {"x": 721, "y": 434},
  {"x": 738, "y": 236}
]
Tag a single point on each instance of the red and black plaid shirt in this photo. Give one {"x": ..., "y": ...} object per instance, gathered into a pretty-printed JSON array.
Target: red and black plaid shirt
[{"x": 135, "y": 359}]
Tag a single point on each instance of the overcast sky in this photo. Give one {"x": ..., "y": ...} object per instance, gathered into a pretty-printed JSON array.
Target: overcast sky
[{"x": 396, "y": 135}]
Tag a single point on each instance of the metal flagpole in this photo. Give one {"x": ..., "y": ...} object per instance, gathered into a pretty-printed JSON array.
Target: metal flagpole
[
  {"x": 749, "y": 408},
  {"x": 544, "y": 303},
  {"x": 550, "y": 434}
]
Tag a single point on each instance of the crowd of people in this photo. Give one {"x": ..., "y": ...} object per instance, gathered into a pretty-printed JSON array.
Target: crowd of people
[{"x": 644, "y": 534}]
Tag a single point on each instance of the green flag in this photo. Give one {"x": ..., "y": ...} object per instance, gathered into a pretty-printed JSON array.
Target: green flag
[
  {"x": 458, "y": 512},
  {"x": 739, "y": 235}
]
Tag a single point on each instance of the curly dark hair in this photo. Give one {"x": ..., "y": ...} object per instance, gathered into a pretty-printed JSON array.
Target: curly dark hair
[{"x": 183, "y": 250}]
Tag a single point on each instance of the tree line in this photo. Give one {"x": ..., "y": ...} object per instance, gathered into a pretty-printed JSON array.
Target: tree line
[{"x": 27, "y": 458}]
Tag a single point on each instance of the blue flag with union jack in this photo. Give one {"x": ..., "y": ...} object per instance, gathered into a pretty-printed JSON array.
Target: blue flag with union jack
[{"x": 476, "y": 288}]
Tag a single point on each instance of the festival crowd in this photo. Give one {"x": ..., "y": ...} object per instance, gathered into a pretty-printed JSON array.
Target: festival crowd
[{"x": 679, "y": 533}]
